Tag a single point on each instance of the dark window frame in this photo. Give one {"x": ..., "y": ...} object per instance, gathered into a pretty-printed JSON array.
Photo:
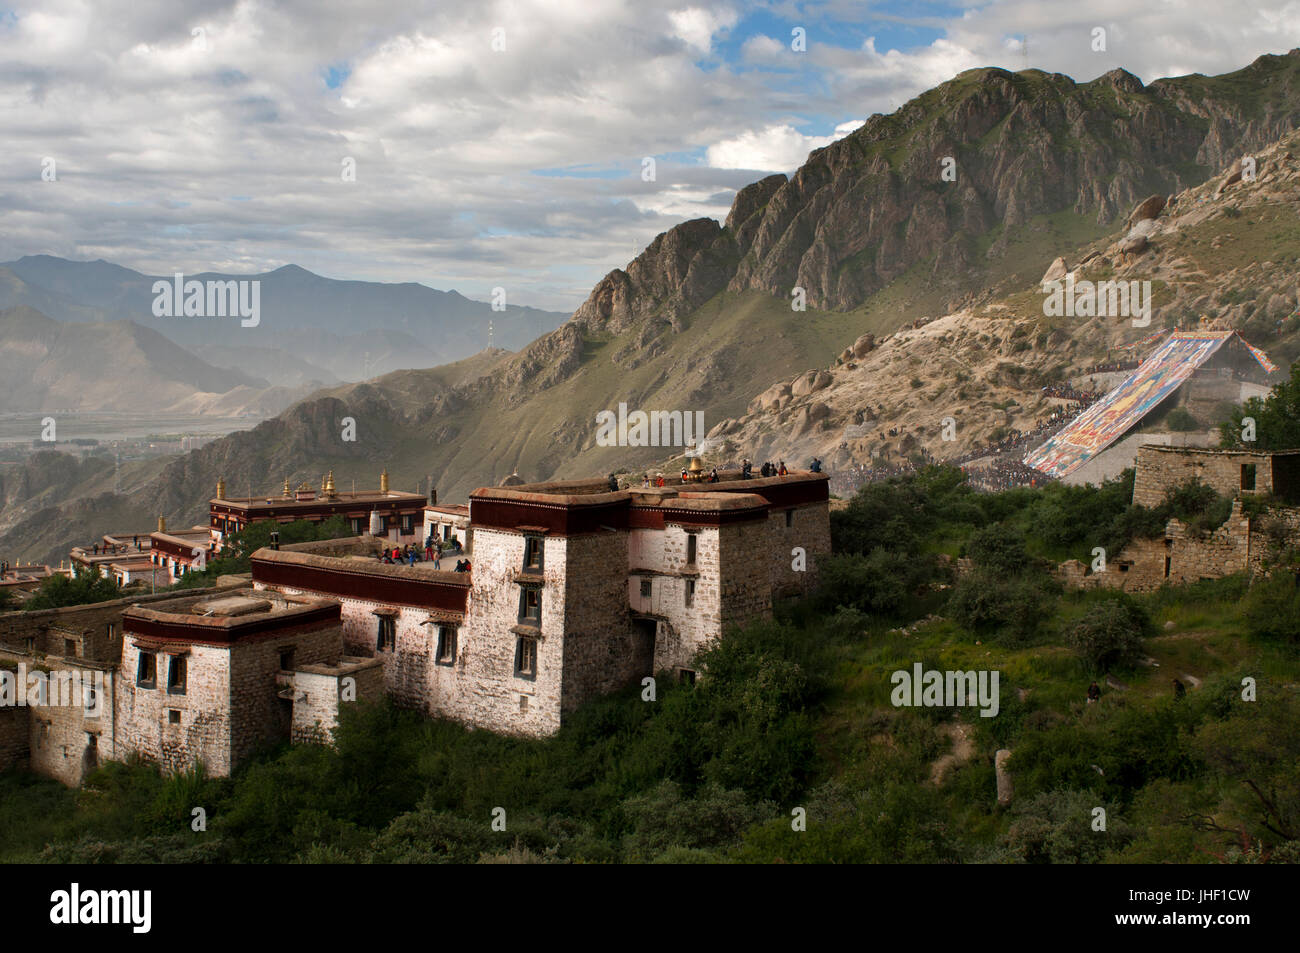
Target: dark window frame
[
  {"x": 1249, "y": 477},
  {"x": 447, "y": 639},
  {"x": 140, "y": 668},
  {"x": 692, "y": 548},
  {"x": 526, "y": 649},
  {"x": 647, "y": 589},
  {"x": 690, "y": 593},
  {"x": 534, "y": 544},
  {"x": 176, "y": 663},
  {"x": 386, "y": 639},
  {"x": 525, "y": 616}
]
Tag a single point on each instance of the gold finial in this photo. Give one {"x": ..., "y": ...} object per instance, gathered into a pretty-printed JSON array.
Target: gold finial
[
  {"x": 287, "y": 492},
  {"x": 221, "y": 488},
  {"x": 383, "y": 481},
  {"x": 695, "y": 467},
  {"x": 162, "y": 524},
  {"x": 329, "y": 484}
]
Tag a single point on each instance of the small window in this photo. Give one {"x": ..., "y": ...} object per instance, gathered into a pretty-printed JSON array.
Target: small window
[
  {"x": 789, "y": 518},
  {"x": 523, "y": 704},
  {"x": 530, "y": 605},
  {"x": 70, "y": 648},
  {"x": 112, "y": 631},
  {"x": 387, "y": 634},
  {"x": 176, "y": 675},
  {"x": 1168, "y": 566},
  {"x": 691, "y": 540},
  {"x": 1248, "y": 476},
  {"x": 29, "y": 644},
  {"x": 173, "y": 716},
  {"x": 690, "y": 593},
  {"x": 146, "y": 672},
  {"x": 526, "y": 657},
  {"x": 645, "y": 588},
  {"x": 686, "y": 676},
  {"x": 533, "y": 552},
  {"x": 286, "y": 660},
  {"x": 446, "y": 645}
]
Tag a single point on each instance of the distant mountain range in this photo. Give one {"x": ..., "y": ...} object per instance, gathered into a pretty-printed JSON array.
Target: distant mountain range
[{"x": 311, "y": 329}]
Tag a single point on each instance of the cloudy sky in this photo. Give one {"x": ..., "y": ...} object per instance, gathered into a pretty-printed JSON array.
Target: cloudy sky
[{"x": 492, "y": 143}]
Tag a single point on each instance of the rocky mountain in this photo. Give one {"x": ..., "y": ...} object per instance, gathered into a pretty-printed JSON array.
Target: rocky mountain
[
  {"x": 704, "y": 319},
  {"x": 349, "y": 329},
  {"x": 1223, "y": 255}
]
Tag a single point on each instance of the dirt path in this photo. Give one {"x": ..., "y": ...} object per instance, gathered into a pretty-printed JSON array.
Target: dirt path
[{"x": 962, "y": 751}]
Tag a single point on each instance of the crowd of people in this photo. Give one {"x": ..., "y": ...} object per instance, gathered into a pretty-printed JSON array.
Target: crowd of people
[
  {"x": 410, "y": 554},
  {"x": 1004, "y": 474}
]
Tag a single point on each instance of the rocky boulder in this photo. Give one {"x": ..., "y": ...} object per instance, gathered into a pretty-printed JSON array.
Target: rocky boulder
[
  {"x": 810, "y": 383},
  {"x": 1149, "y": 207},
  {"x": 1055, "y": 271}
]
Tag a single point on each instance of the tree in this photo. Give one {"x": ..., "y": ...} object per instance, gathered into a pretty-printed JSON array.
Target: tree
[
  {"x": 1277, "y": 419},
  {"x": 1111, "y": 632},
  {"x": 85, "y": 587}
]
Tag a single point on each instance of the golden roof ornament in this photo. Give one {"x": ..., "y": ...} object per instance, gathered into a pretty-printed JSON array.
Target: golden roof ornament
[
  {"x": 221, "y": 488},
  {"x": 287, "y": 492},
  {"x": 383, "y": 481},
  {"x": 695, "y": 467},
  {"x": 329, "y": 484}
]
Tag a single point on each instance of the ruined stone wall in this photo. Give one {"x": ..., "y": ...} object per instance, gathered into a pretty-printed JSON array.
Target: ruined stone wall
[{"x": 1158, "y": 470}]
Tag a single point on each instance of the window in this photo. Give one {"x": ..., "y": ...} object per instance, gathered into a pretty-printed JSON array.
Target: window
[
  {"x": 686, "y": 676},
  {"x": 789, "y": 518},
  {"x": 112, "y": 631},
  {"x": 530, "y": 605},
  {"x": 533, "y": 552},
  {"x": 176, "y": 675},
  {"x": 387, "y": 633},
  {"x": 29, "y": 644},
  {"x": 690, "y": 593},
  {"x": 1248, "y": 476},
  {"x": 173, "y": 716},
  {"x": 286, "y": 660},
  {"x": 645, "y": 588},
  {"x": 523, "y": 704},
  {"x": 358, "y": 525},
  {"x": 526, "y": 658},
  {"x": 146, "y": 672},
  {"x": 1168, "y": 565},
  {"x": 691, "y": 539},
  {"x": 70, "y": 648},
  {"x": 446, "y": 645}
]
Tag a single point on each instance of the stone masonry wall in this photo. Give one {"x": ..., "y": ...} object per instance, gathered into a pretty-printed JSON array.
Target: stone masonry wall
[
  {"x": 1158, "y": 470},
  {"x": 603, "y": 652},
  {"x": 661, "y": 554},
  {"x": 318, "y": 691},
  {"x": 481, "y": 689},
  {"x": 15, "y": 731}
]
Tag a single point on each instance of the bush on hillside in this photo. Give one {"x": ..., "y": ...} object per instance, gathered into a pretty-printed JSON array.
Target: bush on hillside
[
  {"x": 1110, "y": 633},
  {"x": 1272, "y": 607}
]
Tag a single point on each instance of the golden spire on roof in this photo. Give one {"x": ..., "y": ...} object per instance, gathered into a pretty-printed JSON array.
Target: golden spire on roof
[
  {"x": 287, "y": 492},
  {"x": 383, "y": 481},
  {"x": 221, "y": 488},
  {"x": 329, "y": 484}
]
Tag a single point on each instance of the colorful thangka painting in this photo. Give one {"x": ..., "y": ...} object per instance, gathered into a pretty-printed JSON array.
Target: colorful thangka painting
[{"x": 1167, "y": 369}]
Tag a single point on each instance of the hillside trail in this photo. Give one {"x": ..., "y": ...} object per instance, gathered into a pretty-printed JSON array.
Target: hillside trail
[{"x": 962, "y": 751}]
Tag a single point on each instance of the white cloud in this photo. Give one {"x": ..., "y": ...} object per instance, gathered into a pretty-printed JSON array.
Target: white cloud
[
  {"x": 695, "y": 27},
  {"x": 775, "y": 148}
]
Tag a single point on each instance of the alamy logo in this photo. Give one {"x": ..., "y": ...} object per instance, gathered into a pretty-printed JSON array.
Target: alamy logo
[
  {"x": 934, "y": 689},
  {"x": 208, "y": 299},
  {"x": 56, "y": 689},
  {"x": 658, "y": 428},
  {"x": 74, "y": 906},
  {"x": 1098, "y": 299}
]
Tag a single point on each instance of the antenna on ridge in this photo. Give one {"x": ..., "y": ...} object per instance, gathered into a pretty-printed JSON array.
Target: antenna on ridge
[{"x": 489, "y": 334}]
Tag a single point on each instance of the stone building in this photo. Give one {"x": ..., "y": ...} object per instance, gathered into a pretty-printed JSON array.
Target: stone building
[
  {"x": 1241, "y": 544},
  {"x": 392, "y": 514},
  {"x": 573, "y": 591},
  {"x": 1233, "y": 473}
]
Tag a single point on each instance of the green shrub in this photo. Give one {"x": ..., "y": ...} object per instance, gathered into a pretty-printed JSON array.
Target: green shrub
[
  {"x": 1110, "y": 633},
  {"x": 1011, "y": 610},
  {"x": 1272, "y": 607}
]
